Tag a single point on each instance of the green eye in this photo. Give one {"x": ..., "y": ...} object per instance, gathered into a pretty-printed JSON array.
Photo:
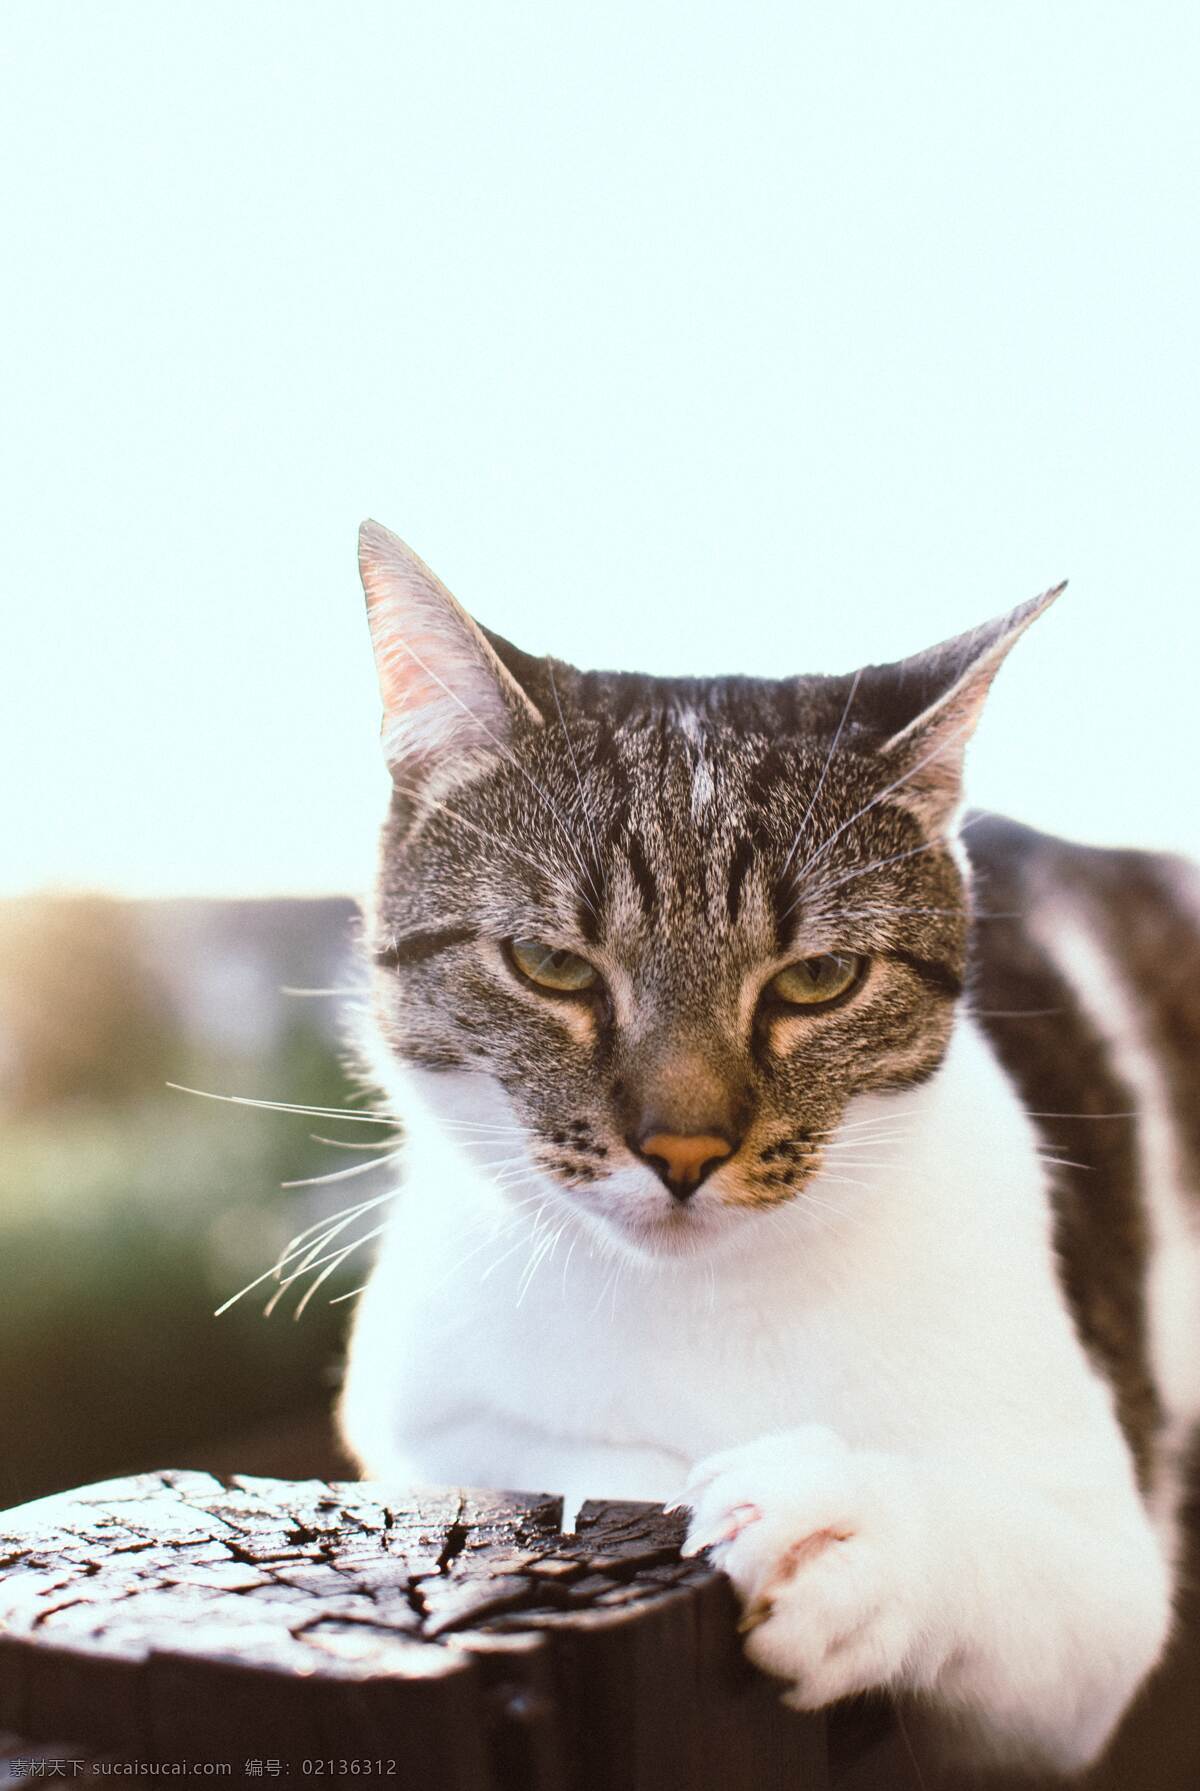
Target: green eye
[
  {"x": 564, "y": 971},
  {"x": 813, "y": 982}
]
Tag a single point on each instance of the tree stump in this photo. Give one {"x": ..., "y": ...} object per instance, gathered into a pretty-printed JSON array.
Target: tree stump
[{"x": 444, "y": 1639}]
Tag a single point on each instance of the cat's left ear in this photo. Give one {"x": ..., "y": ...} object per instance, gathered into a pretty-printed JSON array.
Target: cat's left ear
[
  {"x": 449, "y": 704},
  {"x": 931, "y": 702}
]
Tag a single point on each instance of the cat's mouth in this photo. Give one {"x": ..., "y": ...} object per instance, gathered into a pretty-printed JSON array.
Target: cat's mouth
[
  {"x": 687, "y": 1229},
  {"x": 678, "y": 1233},
  {"x": 650, "y": 1227},
  {"x": 672, "y": 1228},
  {"x": 631, "y": 1207}
]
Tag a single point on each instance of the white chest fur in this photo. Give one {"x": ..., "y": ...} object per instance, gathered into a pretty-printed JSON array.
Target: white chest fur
[{"x": 908, "y": 1298}]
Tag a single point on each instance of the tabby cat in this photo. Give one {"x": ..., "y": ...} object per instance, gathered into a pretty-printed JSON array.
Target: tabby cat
[{"x": 780, "y": 1145}]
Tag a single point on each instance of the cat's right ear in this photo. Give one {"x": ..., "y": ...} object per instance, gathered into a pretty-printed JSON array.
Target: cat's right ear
[{"x": 448, "y": 702}]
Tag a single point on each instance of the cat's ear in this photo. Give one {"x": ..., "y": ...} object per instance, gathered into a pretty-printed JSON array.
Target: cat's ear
[
  {"x": 931, "y": 702},
  {"x": 448, "y": 702}
]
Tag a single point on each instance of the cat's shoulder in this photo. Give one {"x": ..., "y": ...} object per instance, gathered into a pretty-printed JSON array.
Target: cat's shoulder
[
  {"x": 1099, "y": 933},
  {"x": 1085, "y": 978},
  {"x": 1140, "y": 903}
]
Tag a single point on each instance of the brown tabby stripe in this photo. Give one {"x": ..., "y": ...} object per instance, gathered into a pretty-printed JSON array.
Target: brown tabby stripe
[
  {"x": 1080, "y": 1106},
  {"x": 414, "y": 948},
  {"x": 1151, "y": 907},
  {"x": 932, "y": 971},
  {"x": 743, "y": 858},
  {"x": 643, "y": 876}
]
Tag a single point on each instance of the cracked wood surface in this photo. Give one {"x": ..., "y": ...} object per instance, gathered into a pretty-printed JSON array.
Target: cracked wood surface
[{"x": 460, "y": 1633}]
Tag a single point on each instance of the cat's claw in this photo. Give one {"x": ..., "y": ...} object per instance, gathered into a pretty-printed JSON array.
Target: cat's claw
[
  {"x": 826, "y": 1547},
  {"x": 730, "y": 1528},
  {"x": 704, "y": 1473}
]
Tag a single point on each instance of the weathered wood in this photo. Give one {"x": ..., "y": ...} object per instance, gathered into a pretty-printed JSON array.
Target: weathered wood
[{"x": 459, "y": 1633}]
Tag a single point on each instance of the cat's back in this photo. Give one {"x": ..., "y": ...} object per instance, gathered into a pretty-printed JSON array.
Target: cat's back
[
  {"x": 1117, "y": 934},
  {"x": 1085, "y": 976}
]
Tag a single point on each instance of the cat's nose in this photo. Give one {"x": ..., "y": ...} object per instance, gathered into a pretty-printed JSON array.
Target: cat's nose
[{"x": 682, "y": 1159}]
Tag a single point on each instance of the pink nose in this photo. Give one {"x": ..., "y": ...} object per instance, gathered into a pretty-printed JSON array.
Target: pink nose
[{"x": 683, "y": 1160}]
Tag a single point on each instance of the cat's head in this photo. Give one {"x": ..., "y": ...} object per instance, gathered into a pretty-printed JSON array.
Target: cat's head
[{"x": 643, "y": 939}]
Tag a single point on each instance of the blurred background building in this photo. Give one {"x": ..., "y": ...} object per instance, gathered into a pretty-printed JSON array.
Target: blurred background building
[{"x": 129, "y": 1211}]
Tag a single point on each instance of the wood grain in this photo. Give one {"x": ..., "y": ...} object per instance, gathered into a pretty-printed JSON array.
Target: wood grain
[{"x": 460, "y": 1633}]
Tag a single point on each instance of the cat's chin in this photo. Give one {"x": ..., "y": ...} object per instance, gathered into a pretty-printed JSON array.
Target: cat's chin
[{"x": 675, "y": 1233}]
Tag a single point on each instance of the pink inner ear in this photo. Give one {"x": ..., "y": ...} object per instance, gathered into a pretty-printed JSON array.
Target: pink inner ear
[
  {"x": 407, "y": 679},
  {"x": 445, "y": 693},
  {"x": 439, "y": 695}
]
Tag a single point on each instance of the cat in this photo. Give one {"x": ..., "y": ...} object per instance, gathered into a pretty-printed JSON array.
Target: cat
[{"x": 781, "y": 1146}]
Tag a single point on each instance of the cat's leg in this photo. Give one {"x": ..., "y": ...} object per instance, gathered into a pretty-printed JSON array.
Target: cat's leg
[
  {"x": 494, "y": 1450},
  {"x": 1030, "y": 1611}
]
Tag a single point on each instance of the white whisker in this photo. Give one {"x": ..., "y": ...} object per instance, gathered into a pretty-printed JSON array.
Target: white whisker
[
  {"x": 854, "y": 683},
  {"x": 347, "y": 1212},
  {"x": 300, "y": 1245},
  {"x": 357, "y": 1114},
  {"x": 543, "y": 1249},
  {"x": 901, "y": 908},
  {"x": 583, "y": 801},
  {"x": 502, "y": 748},
  {"x": 352, "y": 1295},
  {"x": 502, "y": 1226},
  {"x": 567, "y": 1260},
  {"x": 341, "y": 1175},
  {"x": 480, "y": 1125},
  {"x": 440, "y": 805},
  {"x": 335, "y": 1256},
  {"x": 336, "y": 1264},
  {"x": 520, "y": 1243},
  {"x": 873, "y": 1139},
  {"x": 867, "y": 1163},
  {"x": 943, "y": 747},
  {"x": 287, "y": 989},
  {"x": 880, "y": 864},
  {"x": 342, "y": 1143},
  {"x": 880, "y": 1119}
]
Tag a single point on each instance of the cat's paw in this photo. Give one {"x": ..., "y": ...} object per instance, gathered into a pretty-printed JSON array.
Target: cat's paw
[{"x": 829, "y": 1550}]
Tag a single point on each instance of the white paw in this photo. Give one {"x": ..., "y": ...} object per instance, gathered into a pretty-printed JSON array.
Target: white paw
[{"x": 829, "y": 1550}]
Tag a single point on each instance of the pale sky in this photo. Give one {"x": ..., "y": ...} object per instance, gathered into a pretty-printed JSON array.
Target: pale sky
[{"x": 707, "y": 336}]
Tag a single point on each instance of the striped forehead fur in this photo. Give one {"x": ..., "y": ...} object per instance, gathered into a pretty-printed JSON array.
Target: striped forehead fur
[{"x": 687, "y": 837}]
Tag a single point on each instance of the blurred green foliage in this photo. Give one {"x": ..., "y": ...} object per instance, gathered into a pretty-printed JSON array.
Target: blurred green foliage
[{"x": 129, "y": 1211}]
